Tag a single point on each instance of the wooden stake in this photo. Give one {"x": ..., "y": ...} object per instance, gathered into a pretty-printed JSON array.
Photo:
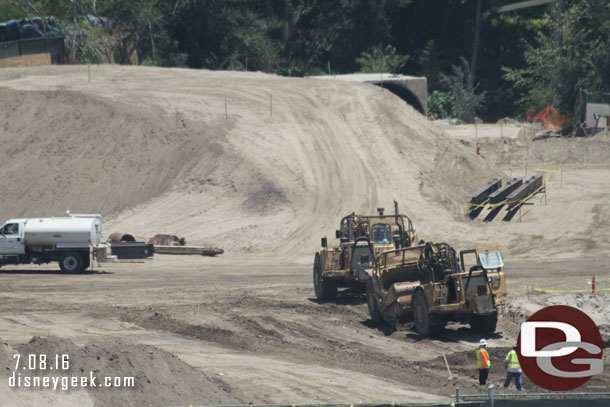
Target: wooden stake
[
  {"x": 271, "y": 105},
  {"x": 447, "y": 364},
  {"x": 226, "y": 111},
  {"x": 89, "y": 71},
  {"x": 520, "y": 212},
  {"x": 545, "y": 192}
]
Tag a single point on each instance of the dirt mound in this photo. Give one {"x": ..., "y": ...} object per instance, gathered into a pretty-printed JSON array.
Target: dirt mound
[
  {"x": 212, "y": 156},
  {"x": 160, "y": 377},
  {"x": 596, "y": 306},
  {"x": 72, "y": 150},
  {"x": 14, "y": 394},
  {"x": 161, "y": 322},
  {"x": 554, "y": 152}
]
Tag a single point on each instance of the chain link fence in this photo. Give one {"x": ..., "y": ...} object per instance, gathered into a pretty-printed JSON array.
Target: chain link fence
[{"x": 55, "y": 46}]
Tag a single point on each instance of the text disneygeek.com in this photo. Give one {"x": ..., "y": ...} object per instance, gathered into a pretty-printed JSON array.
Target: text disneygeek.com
[
  {"x": 31, "y": 363},
  {"x": 17, "y": 380}
]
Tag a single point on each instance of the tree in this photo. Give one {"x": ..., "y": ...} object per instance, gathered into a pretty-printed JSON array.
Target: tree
[
  {"x": 556, "y": 70},
  {"x": 465, "y": 99},
  {"x": 431, "y": 65},
  {"x": 137, "y": 21},
  {"x": 378, "y": 60}
]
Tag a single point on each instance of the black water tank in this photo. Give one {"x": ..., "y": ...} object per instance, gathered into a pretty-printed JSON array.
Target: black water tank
[{"x": 12, "y": 30}]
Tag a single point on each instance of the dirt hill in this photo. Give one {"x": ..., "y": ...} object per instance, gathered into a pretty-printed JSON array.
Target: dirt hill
[{"x": 246, "y": 161}]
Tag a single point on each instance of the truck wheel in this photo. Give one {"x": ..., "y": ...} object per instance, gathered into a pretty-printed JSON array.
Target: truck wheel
[
  {"x": 426, "y": 324},
  {"x": 371, "y": 300},
  {"x": 484, "y": 323},
  {"x": 71, "y": 262},
  {"x": 325, "y": 289}
]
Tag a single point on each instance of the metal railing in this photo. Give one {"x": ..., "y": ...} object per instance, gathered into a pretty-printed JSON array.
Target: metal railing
[
  {"x": 491, "y": 396},
  {"x": 378, "y": 404}
]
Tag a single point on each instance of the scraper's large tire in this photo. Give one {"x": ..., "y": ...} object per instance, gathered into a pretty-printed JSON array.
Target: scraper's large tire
[
  {"x": 325, "y": 289},
  {"x": 371, "y": 300},
  {"x": 426, "y": 324}
]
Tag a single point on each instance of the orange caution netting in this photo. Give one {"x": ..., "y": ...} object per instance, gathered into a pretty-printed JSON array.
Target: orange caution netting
[{"x": 549, "y": 116}]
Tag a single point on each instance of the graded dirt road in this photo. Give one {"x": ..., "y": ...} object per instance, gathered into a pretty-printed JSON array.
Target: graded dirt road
[
  {"x": 155, "y": 151},
  {"x": 254, "y": 331}
]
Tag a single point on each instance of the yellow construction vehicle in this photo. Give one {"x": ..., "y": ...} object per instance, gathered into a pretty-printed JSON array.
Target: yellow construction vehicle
[
  {"x": 427, "y": 286},
  {"x": 361, "y": 238}
]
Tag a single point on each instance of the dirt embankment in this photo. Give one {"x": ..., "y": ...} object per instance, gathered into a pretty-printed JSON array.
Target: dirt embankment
[
  {"x": 160, "y": 377},
  {"x": 156, "y": 149}
]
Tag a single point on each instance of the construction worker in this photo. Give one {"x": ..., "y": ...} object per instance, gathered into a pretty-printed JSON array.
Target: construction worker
[
  {"x": 483, "y": 362},
  {"x": 513, "y": 369}
]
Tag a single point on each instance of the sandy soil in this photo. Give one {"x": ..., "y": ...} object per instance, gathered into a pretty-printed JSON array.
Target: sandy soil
[{"x": 155, "y": 151}]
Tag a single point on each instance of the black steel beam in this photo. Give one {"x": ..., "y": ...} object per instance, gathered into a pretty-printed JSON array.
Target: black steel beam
[
  {"x": 131, "y": 250},
  {"x": 524, "y": 190},
  {"x": 500, "y": 194},
  {"x": 481, "y": 195}
]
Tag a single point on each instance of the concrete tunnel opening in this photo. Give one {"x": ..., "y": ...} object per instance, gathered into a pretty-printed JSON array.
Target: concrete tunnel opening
[
  {"x": 412, "y": 89},
  {"x": 403, "y": 93}
]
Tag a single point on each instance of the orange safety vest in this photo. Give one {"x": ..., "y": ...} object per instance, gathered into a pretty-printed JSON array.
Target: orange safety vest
[{"x": 483, "y": 361}]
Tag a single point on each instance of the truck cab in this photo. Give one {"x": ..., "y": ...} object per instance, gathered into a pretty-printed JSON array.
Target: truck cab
[{"x": 11, "y": 238}]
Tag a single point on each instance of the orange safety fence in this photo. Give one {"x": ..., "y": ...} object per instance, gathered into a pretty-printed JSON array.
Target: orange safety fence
[{"x": 549, "y": 116}]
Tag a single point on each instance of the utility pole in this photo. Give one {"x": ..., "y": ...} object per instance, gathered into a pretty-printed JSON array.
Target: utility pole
[
  {"x": 74, "y": 35},
  {"x": 475, "y": 46},
  {"x": 559, "y": 33}
]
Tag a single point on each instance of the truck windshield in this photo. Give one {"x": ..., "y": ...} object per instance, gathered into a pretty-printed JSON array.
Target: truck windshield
[
  {"x": 381, "y": 233},
  {"x": 10, "y": 229},
  {"x": 491, "y": 259}
]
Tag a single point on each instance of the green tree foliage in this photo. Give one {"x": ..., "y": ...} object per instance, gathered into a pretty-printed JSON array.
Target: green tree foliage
[
  {"x": 572, "y": 54},
  {"x": 218, "y": 34},
  {"x": 439, "y": 104},
  {"x": 10, "y": 11},
  {"x": 521, "y": 64},
  {"x": 378, "y": 59},
  {"x": 431, "y": 64},
  {"x": 464, "y": 97},
  {"x": 135, "y": 22}
]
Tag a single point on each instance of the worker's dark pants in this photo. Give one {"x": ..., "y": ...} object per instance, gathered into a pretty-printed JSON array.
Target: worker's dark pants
[
  {"x": 483, "y": 376},
  {"x": 509, "y": 377}
]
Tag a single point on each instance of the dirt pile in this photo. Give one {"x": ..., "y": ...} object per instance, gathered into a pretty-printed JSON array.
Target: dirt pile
[
  {"x": 160, "y": 377},
  {"x": 244, "y": 161},
  {"x": 595, "y": 306},
  {"x": 550, "y": 152}
]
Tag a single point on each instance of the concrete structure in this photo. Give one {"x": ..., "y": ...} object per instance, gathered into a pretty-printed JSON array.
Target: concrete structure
[
  {"x": 599, "y": 111},
  {"x": 411, "y": 89}
]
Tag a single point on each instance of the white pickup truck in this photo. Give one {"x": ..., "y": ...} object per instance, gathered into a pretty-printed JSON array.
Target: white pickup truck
[{"x": 71, "y": 240}]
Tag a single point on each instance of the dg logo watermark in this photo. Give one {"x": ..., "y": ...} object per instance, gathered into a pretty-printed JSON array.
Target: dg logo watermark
[{"x": 560, "y": 348}]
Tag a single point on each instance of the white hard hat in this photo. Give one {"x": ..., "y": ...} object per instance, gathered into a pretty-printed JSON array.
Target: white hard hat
[{"x": 483, "y": 342}]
